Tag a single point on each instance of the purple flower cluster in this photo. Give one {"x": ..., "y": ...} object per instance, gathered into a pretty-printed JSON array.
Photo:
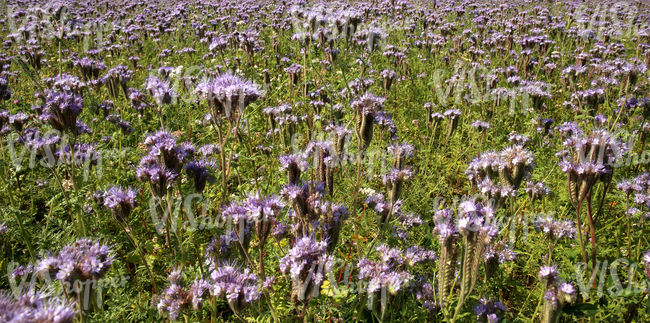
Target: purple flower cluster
[
  {"x": 160, "y": 90},
  {"x": 199, "y": 171},
  {"x": 489, "y": 310},
  {"x": 177, "y": 297},
  {"x": 225, "y": 91},
  {"x": 639, "y": 189},
  {"x": 555, "y": 229},
  {"x": 557, "y": 294},
  {"x": 499, "y": 174},
  {"x": 120, "y": 202},
  {"x": 389, "y": 275},
  {"x": 536, "y": 191},
  {"x": 306, "y": 263},
  {"x": 369, "y": 108},
  {"x": 80, "y": 261},
  {"x": 34, "y": 307},
  {"x": 294, "y": 165},
  {"x": 480, "y": 125},
  {"x": 240, "y": 288},
  {"x": 5, "y": 93},
  {"x": 164, "y": 160},
  {"x": 60, "y": 110},
  {"x": 589, "y": 158}
]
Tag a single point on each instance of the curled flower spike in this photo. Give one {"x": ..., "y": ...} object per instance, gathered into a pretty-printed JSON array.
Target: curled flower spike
[
  {"x": 367, "y": 107},
  {"x": 294, "y": 164},
  {"x": 556, "y": 296}
]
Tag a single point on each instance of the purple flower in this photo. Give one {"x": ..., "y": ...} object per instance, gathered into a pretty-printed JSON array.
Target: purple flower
[
  {"x": 548, "y": 272},
  {"x": 178, "y": 297},
  {"x": 18, "y": 120},
  {"x": 306, "y": 263},
  {"x": 225, "y": 91},
  {"x": 159, "y": 178},
  {"x": 489, "y": 310},
  {"x": 34, "y": 307},
  {"x": 61, "y": 110},
  {"x": 239, "y": 287},
  {"x": 480, "y": 125},
  {"x": 294, "y": 164},
  {"x": 536, "y": 191},
  {"x": 82, "y": 260},
  {"x": 5, "y": 93},
  {"x": 555, "y": 229},
  {"x": 198, "y": 170},
  {"x": 164, "y": 148},
  {"x": 160, "y": 90},
  {"x": 120, "y": 201}
]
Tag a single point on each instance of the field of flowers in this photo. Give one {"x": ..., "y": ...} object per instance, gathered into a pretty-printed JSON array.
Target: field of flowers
[{"x": 292, "y": 161}]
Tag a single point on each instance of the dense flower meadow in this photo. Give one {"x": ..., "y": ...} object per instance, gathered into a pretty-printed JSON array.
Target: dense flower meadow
[{"x": 332, "y": 161}]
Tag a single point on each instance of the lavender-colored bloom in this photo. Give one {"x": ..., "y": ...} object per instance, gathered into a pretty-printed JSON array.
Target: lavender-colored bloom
[
  {"x": 400, "y": 152},
  {"x": 367, "y": 106},
  {"x": 61, "y": 110},
  {"x": 426, "y": 294},
  {"x": 18, "y": 120},
  {"x": 489, "y": 310},
  {"x": 177, "y": 297},
  {"x": 4, "y": 118},
  {"x": 137, "y": 99},
  {"x": 394, "y": 181},
  {"x": 34, "y": 307},
  {"x": 5, "y": 93},
  {"x": 545, "y": 126},
  {"x": 405, "y": 222},
  {"x": 164, "y": 147},
  {"x": 89, "y": 68},
  {"x": 263, "y": 211},
  {"x": 306, "y": 263},
  {"x": 536, "y": 191},
  {"x": 548, "y": 272},
  {"x": 160, "y": 90},
  {"x": 294, "y": 71},
  {"x": 499, "y": 174},
  {"x": 518, "y": 139},
  {"x": 239, "y": 287},
  {"x": 389, "y": 275},
  {"x": 198, "y": 170},
  {"x": 589, "y": 159},
  {"x": 555, "y": 229},
  {"x": 225, "y": 91},
  {"x": 159, "y": 178},
  {"x": 83, "y": 154},
  {"x": 81, "y": 261},
  {"x": 481, "y": 125},
  {"x": 66, "y": 83},
  {"x": 209, "y": 150},
  {"x": 120, "y": 201},
  {"x": 294, "y": 164},
  {"x": 117, "y": 78}
]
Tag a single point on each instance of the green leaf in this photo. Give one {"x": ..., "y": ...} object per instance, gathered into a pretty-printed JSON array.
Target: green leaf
[
  {"x": 133, "y": 257},
  {"x": 647, "y": 306},
  {"x": 581, "y": 310},
  {"x": 148, "y": 246}
]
